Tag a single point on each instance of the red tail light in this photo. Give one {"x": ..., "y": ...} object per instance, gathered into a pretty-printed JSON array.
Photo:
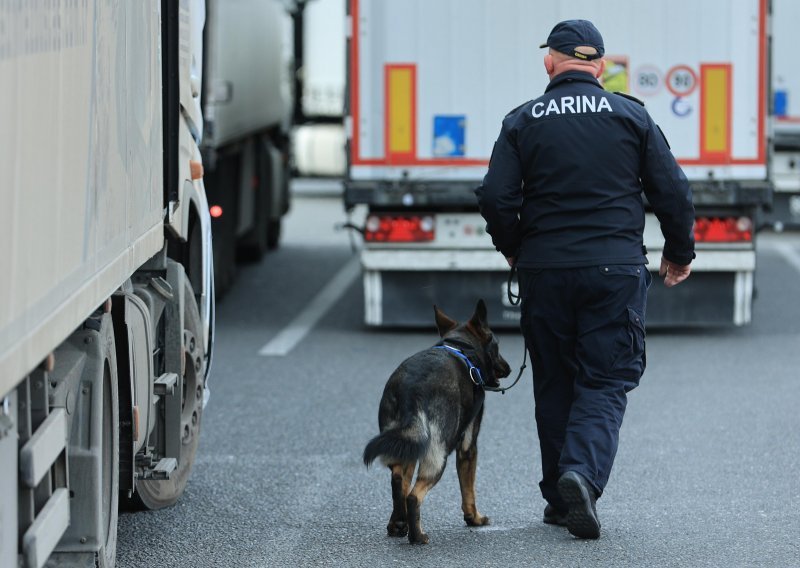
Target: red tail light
[
  {"x": 399, "y": 228},
  {"x": 215, "y": 211},
  {"x": 723, "y": 229}
]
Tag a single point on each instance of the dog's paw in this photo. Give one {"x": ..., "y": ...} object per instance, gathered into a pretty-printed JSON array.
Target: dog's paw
[
  {"x": 477, "y": 520},
  {"x": 419, "y": 538},
  {"x": 397, "y": 528}
]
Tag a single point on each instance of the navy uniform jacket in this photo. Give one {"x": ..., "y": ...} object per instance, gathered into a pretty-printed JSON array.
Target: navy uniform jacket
[{"x": 564, "y": 185}]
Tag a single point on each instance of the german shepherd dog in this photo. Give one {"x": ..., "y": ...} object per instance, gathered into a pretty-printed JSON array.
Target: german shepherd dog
[{"x": 433, "y": 404}]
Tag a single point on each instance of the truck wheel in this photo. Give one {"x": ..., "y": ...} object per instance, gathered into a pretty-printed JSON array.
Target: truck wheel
[
  {"x": 252, "y": 246},
  {"x": 274, "y": 228},
  {"x": 222, "y": 189},
  {"x": 93, "y": 470},
  {"x": 273, "y": 234},
  {"x": 107, "y": 555},
  {"x": 163, "y": 493},
  {"x": 224, "y": 271}
]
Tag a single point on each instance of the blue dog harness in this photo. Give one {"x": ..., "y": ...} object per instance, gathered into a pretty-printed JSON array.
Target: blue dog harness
[{"x": 474, "y": 371}]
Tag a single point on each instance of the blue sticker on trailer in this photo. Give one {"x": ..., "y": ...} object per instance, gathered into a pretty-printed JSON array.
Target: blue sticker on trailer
[
  {"x": 448, "y": 136},
  {"x": 781, "y": 103}
]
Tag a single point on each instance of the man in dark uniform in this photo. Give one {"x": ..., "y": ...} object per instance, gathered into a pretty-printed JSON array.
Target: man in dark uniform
[{"x": 563, "y": 202}]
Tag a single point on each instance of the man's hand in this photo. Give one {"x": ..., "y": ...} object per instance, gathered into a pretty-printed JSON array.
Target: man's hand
[
  {"x": 510, "y": 260},
  {"x": 673, "y": 273}
]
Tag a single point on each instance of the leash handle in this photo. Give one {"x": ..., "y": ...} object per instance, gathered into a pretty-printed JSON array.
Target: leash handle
[{"x": 513, "y": 299}]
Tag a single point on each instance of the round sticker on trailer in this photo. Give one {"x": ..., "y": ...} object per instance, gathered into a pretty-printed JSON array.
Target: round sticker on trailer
[
  {"x": 681, "y": 80},
  {"x": 680, "y": 107},
  {"x": 647, "y": 80}
]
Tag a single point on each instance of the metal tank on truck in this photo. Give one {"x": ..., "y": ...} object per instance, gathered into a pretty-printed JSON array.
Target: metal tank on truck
[
  {"x": 247, "y": 107},
  {"x": 107, "y": 298},
  {"x": 429, "y": 82}
]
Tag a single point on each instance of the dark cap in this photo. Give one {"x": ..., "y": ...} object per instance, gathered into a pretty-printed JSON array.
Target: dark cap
[{"x": 569, "y": 34}]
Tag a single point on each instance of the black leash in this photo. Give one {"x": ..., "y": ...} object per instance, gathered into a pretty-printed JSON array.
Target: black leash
[{"x": 514, "y": 300}]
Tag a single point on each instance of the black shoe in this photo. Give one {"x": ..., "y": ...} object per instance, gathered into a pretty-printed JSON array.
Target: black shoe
[
  {"x": 553, "y": 516},
  {"x": 582, "y": 518}
]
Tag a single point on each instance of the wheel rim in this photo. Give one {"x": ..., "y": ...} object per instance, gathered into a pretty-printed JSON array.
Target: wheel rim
[
  {"x": 192, "y": 395},
  {"x": 155, "y": 494}
]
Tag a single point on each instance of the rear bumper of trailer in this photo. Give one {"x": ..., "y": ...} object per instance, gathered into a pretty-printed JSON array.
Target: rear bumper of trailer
[{"x": 401, "y": 287}]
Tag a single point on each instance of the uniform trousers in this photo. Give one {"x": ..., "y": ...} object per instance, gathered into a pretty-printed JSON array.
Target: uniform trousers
[{"x": 585, "y": 331}]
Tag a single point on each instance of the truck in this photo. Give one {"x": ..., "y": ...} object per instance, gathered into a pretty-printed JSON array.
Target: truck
[
  {"x": 107, "y": 294},
  {"x": 429, "y": 82},
  {"x": 247, "y": 104},
  {"x": 785, "y": 210},
  {"x": 318, "y": 139}
]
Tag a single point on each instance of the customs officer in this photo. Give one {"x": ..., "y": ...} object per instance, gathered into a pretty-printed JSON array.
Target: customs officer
[{"x": 563, "y": 202}]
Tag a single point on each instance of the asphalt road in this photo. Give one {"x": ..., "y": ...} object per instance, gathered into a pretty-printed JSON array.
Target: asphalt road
[{"x": 706, "y": 474}]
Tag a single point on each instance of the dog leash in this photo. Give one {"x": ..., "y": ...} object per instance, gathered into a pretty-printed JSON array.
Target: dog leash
[{"x": 514, "y": 300}]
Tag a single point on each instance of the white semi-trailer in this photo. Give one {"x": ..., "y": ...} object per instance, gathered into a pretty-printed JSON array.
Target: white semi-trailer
[
  {"x": 785, "y": 211},
  {"x": 106, "y": 294},
  {"x": 318, "y": 139},
  {"x": 429, "y": 82},
  {"x": 247, "y": 111}
]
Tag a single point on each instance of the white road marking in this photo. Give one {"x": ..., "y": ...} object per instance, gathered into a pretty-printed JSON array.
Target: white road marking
[
  {"x": 788, "y": 252},
  {"x": 493, "y": 528},
  {"x": 299, "y": 327}
]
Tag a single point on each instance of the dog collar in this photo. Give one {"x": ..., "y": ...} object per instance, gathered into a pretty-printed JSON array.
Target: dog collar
[{"x": 474, "y": 371}]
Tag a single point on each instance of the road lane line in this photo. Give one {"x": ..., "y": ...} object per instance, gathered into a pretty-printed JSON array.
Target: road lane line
[
  {"x": 789, "y": 253},
  {"x": 299, "y": 327}
]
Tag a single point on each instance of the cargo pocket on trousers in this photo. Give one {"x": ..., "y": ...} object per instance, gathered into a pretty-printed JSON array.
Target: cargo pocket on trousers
[{"x": 632, "y": 360}]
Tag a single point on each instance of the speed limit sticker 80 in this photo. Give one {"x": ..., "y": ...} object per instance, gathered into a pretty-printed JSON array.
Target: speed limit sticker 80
[{"x": 647, "y": 80}]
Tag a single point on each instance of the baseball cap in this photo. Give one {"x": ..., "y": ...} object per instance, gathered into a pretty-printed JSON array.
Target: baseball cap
[{"x": 569, "y": 34}]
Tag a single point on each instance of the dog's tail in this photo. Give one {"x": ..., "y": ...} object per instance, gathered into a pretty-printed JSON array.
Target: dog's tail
[{"x": 401, "y": 444}]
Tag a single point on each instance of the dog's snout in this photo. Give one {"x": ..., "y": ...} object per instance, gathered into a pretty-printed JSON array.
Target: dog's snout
[{"x": 501, "y": 368}]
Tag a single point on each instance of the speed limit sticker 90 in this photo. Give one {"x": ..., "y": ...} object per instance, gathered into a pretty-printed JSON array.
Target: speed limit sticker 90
[
  {"x": 647, "y": 80},
  {"x": 681, "y": 80}
]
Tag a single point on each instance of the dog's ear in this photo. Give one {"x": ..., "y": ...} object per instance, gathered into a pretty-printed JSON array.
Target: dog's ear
[
  {"x": 479, "y": 319},
  {"x": 444, "y": 323}
]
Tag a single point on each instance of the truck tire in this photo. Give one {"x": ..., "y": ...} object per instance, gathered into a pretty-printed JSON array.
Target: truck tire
[
  {"x": 281, "y": 206},
  {"x": 252, "y": 246},
  {"x": 109, "y": 481},
  {"x": 101, "y": 423},
  {"x": 222, "y": 189},
  {"x": 273, "y": 234},
  {"x": 151, "y": 494},
  {"x": 107, "y": 555}
]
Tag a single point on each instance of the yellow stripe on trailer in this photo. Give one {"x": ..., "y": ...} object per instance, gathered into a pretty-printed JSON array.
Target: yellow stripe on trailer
[
  {"x": 715, "y": 110},
  {"x": 400, "y": 119}
]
